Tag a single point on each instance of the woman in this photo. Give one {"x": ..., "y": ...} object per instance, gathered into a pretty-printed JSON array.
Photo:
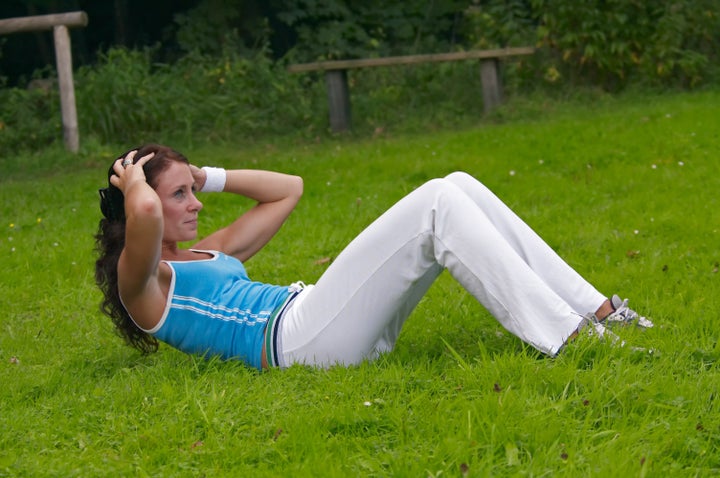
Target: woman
[{"x": 200, "y": 300}]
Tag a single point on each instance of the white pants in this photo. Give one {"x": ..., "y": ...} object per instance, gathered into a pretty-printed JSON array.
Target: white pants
[{"x": 358, "y": 306}]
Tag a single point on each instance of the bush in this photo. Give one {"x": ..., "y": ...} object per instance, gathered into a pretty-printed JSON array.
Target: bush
[
  {"x": 611, "y": 42},
  {"x": 30, "y": 118},
  {"x": 127, "y": 97}
]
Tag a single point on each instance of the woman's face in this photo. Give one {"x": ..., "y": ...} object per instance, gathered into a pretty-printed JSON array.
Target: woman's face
[{"x": 176, "y": 189}]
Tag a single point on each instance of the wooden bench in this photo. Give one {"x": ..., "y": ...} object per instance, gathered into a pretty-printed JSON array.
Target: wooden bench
[{"x": 339, "y": 94}]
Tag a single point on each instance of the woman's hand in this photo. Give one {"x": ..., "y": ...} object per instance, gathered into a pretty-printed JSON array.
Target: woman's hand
[
  {"x": 199, "y": 176},
  {"x": 126, "y": 175}
]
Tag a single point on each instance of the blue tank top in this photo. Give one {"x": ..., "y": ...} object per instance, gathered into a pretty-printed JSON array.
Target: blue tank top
[{"x": 214, "y": 309}]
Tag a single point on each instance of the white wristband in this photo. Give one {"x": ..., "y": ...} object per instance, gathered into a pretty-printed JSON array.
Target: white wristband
[{"x": 215, "y": 179}]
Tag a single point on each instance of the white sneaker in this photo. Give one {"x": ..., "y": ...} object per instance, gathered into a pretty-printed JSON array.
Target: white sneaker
[
  {"x": 624, "y": 315},
  {"x": 595, "y": 327}
]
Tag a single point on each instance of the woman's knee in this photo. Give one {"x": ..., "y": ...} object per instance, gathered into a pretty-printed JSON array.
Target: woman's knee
[
  {"x": 458, "y": 184},
  {"x": 461, "y": 177},
  {"x": 470, "y": 185}
]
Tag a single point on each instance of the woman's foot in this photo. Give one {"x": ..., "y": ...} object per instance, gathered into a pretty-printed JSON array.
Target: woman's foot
[
  {"x": 612, "y": 311},
  {"x": 622, "y": 314},
  {"x": 591, "y": 325}
]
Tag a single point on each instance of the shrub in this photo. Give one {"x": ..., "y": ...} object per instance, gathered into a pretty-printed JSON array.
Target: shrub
[
  {"x": 127, "y": 97},
  {"x": 610, "y": 42},
  {"x": 30, "y": 118}
]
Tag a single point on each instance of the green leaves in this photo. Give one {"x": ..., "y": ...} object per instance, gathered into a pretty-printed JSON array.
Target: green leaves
[{"x": 611, "y": 42}]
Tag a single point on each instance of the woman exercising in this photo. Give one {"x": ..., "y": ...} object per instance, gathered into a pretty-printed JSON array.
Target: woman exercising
[{"x": 201, "y": 301}]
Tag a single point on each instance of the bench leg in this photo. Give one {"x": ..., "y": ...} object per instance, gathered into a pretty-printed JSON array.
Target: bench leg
[
  {"x": 491, "y": 86},
  {"x": 338, "y": 100}
]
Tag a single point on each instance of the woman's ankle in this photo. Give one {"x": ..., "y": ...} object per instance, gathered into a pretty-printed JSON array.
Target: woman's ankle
[{"x": 604, "y": 310}]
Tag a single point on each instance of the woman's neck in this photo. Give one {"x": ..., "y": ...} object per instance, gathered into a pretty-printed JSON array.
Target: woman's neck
[{"x": 171, "y": 252}]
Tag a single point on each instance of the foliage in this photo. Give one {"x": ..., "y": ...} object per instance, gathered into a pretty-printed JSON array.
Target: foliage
[
  {"x": 498, "y": 23},
  {"x": 345, "y": 29},
  {"x": 609, "y": 42},
  {"x": 29, "y": 119},
  {"x": 128, "y": 97},
  {"x": 218, "y": 73},
  {"x": 214, "y": 27},
  {"x": 386, "y": 100},
  {"x": 594, "y": 42},
  {"x": 623, "y": 187}
]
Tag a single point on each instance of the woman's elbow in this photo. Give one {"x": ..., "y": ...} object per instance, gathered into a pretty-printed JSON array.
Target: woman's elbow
[
  {"x": 297, "y": 186},
  {"x": 146, "y": 206}
]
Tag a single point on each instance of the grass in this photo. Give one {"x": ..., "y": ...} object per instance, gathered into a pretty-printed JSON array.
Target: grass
[{"x": 625, "y": 189}]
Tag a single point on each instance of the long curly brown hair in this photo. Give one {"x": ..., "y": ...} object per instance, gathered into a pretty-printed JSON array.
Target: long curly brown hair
[{"x": 110, "y": 240}]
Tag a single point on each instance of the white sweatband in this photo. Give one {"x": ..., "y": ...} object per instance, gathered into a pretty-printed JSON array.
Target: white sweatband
[{"x": 214, "y": 179}]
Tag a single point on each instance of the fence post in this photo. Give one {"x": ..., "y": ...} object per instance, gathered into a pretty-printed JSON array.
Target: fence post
[{"x": 63, "y": 58}]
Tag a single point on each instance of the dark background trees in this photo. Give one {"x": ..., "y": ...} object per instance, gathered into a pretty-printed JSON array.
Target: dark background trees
[
  {"x": 607, "y": 42},
  {"x": 130, "y": 23},
  {"x": 309, "y": 29}
]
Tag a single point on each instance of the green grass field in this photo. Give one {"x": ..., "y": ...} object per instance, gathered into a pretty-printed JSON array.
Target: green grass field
[{"x": 625, "y": 189}]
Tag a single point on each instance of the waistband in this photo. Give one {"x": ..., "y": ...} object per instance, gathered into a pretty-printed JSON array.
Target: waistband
[{"x": 271, "y": 331}]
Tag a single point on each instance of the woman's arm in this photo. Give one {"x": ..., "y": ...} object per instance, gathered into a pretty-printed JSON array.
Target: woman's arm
[
  {"x": 276, "y": 195},
  {"x": 140, "y": 257}
]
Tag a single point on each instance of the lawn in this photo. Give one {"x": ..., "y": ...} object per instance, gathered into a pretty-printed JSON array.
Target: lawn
[{"x": 626, "y": 189}]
